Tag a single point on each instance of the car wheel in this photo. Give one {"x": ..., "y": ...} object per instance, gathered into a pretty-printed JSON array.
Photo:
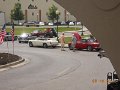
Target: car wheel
[
  {"x": 45, "y": 45},
  {"x": 89, "y": 48},
  {"x": 53, "y": 46},
  {"x": 30, "y": 44},
  {"x": 19, "y": 41},
  {"x": 70, "y": 47}
]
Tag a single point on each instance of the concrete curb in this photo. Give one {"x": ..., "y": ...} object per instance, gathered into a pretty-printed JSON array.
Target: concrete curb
[
  {"x": 65, "y": 46},
  {"x": 12, "y": 64}
]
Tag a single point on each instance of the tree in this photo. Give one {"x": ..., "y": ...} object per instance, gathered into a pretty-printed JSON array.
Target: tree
[
  {"x": 16, "y": 13},
  {"x": 51, "y": 14}
]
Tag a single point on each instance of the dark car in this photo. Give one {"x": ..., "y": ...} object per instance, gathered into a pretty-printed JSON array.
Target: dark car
[
  {"x": 25, "y": 37},
  {"x": 8, "y": 37},
  {"x": 50, "y": 32},
  {"x": 57, "y": 23},
  {"x": 88, "y": 44},
  {"x": 32, "y": 23},
  {"x": 37, "y": 33}
]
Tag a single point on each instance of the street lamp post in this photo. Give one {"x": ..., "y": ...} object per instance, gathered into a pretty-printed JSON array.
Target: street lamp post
[
  {"x": 57, "y": 13},
  {"x": 37, "y": 17}
]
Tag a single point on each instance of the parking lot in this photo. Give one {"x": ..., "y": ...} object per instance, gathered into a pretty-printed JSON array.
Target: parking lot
[{"x": 53, "y": 69}]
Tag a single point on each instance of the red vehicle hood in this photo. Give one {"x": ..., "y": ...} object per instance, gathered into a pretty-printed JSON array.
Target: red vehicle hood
[{"x": 78, "y": 37}]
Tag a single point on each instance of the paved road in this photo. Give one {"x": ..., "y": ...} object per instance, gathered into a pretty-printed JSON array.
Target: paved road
[{"x": 52, "y": 69}]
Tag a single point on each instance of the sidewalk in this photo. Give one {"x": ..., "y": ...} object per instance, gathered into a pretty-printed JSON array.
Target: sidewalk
[{"x": 66, "y": 45}]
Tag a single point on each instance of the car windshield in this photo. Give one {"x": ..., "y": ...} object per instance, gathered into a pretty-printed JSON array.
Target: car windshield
[{"x": 91, "y": 40}]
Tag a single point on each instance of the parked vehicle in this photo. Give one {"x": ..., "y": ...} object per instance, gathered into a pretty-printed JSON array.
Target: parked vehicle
[
  {"x": 57, "y": 23},
  {"x": 25, "y": 37},
  {"x": 21, "y": 24},
  {"x": 88, "y": 44},
  {"x": 8, "y": 37},
  {"x": 37, "y": 33},
  {"x": 63, "y": 23},
  {"x": 78, "y": 23},
  {"x": 71, "y": 23},
  {"x": 50, "y": 23},
  {"x": 50, "y": 32},
  {"x": 44, "y": 42},
  {"x": 32, "y": 23},
  {"x": 41, "y": 23}
]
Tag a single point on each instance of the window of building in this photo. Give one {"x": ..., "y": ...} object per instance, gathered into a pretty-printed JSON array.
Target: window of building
[{"x": 32, "y": 13}]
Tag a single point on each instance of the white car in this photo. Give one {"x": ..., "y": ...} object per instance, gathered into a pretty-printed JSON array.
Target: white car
[
  {"x": 45, "y": 42},
  {"x": 63, "y": 23},
  {"x": 41, "y": 23},
  {"x": 50, "y": 24},
  {"x": 71, "y": 23},
  {"x": 78, "y": 23}
]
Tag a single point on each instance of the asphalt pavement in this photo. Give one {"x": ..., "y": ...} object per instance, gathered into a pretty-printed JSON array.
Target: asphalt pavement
[{"x": 53, "y": 69}]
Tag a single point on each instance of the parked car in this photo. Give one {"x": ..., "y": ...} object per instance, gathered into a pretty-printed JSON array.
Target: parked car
[
  {"x": 20, "y": 24},
  {"x": 37, "y": 33},
  {"x": 32, "y": 23},
  {"x": 8, "y": 37},
  {"x": 50, "y": 23},
  {"x": 44, "y": 42},
  {"x": 71, "y": 23},
  {"x": 88, "y": 44},
  {"x": 63, "y": 23},
  {"x": 78, "y": 23},
  {"x": 57, "y": 23},
  {"x": 50, "y": 32},
  {"x": 41, "y": 23},
  {"x": 25, "y": 37}
]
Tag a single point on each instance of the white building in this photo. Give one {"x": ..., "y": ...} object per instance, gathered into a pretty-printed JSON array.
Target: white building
[{"x": 34, "y": 10}]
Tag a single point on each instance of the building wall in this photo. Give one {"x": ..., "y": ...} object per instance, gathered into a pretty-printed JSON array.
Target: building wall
[
  {"x": 33, "y": 14},
  {"x": 2, "y": 18}
]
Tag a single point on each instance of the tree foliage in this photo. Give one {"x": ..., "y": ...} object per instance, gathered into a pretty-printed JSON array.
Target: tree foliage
[
  {"x": 51, "y": 14},
  {"x": 16, "y": 13}
]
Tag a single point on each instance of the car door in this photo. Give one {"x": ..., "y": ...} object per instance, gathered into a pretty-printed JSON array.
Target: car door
[
  {"x": 83, "y": 44},
  {"x": 40, "y": 41}
]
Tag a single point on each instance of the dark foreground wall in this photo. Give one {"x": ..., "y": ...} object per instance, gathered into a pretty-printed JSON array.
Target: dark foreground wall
[{"x": 102, "y": 18}]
